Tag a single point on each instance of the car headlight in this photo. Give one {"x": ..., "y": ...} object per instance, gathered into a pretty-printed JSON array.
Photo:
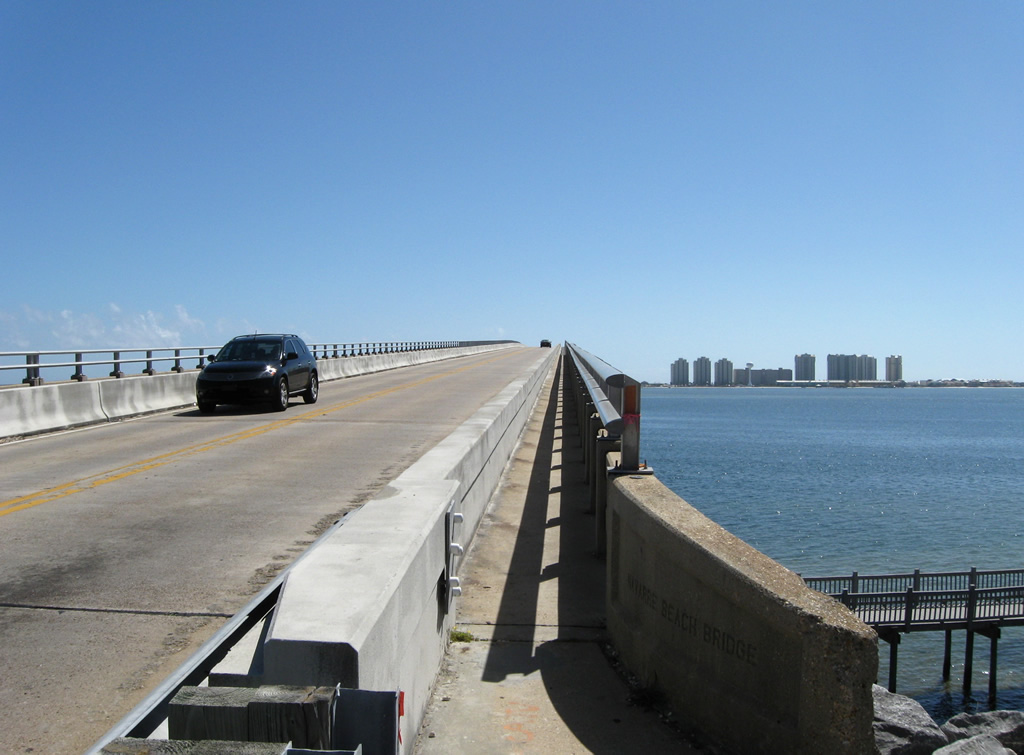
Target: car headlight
[{"x": 269, "y": 371}]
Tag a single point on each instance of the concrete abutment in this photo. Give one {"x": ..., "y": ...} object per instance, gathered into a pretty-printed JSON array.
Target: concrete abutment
[{"x": 740, "y": 647}]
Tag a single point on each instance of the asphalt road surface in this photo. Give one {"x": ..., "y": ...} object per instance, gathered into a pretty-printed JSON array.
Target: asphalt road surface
[{"x": 124, "y": 547}]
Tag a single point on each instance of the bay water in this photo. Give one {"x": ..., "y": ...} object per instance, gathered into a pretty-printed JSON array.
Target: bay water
[{"x": 828, "y": 481}]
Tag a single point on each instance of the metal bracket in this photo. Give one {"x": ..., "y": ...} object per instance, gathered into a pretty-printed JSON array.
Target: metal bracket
[
  {"x": 620, "y": 472},
  {"x": 453, "y": 551}
]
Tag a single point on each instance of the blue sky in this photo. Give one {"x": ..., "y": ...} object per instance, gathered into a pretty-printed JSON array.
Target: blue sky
[{"x": 650, "y": 181}]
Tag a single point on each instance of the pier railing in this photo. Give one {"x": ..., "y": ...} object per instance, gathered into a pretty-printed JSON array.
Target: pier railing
[
  {"x": 921, "y": 601},
  {"x": 917, "y": 580},
  {"x": 894, "y": 604},
  {"x": 922, "y": 610}
]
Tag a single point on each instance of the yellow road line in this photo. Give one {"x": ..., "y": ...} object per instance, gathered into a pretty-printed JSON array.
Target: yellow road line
[{"x": 129, "y": 470}]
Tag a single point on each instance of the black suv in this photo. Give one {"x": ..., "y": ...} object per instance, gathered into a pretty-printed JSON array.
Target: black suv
[{"x": 258, "y": 369}]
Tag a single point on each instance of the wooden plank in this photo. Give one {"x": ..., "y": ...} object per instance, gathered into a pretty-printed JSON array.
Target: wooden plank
[
  {"x": 209, "y": 713},
  {"x": 133, "y": 746},
  {"x": 301, "y": 715}
]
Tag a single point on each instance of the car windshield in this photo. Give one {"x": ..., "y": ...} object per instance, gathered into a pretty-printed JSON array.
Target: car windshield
[{"x": 250, "y": 351}]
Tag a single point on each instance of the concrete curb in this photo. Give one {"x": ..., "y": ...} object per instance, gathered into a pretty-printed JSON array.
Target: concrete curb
[{"x": 368, "y": 606}]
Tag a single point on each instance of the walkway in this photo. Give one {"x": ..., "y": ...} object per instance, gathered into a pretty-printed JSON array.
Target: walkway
[{"x": 536, "y": 677}]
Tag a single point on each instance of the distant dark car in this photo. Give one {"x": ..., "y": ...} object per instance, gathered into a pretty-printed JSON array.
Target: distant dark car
[
  {"x": 259, "y": 369},
  {"x": 545, "y": 344}
]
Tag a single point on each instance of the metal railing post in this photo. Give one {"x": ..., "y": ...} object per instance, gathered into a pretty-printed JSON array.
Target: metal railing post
[
  {"x": 590, "y": 451},
  {"x": 599, "y": 493},
  {"x": 79, "y": 375},
  {"x": 32, "y": 370},
  {"x": 631, "y": 428}
]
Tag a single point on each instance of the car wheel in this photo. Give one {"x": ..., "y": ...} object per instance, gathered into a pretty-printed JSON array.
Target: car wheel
[
  {"x": 206, "y": 407},
  {"x": 312, "y": 391},
  {"x": 281, "y": 400}
]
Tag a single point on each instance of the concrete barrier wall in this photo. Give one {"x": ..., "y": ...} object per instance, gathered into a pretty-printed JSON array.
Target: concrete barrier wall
[
  {"x": 26, "y": 410},
  {"x": 131, "y": 397},
  {"x": 30, "y": 410},
  {"x": 367, "y": 606},
  {"x": 738, "y": 644},
  {"x": 343, "y": 367}
]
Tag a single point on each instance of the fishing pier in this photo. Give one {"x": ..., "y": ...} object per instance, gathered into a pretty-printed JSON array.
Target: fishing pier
[{"x": 979, "y": 602}]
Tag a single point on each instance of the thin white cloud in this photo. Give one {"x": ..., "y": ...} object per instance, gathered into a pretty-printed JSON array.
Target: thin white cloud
[
  {"x": 72, "y": 330},
  {"x": 185, "y": 320},
  {"x": 36, "y": 315},
  {"x": 12, "y": 337},
  {"x": 113, "y": 326},
  {"x": 145, "y": 329}
]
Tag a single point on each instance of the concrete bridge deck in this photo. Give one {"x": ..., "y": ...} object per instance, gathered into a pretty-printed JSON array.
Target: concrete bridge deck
[{"x": 126, "y": 545}]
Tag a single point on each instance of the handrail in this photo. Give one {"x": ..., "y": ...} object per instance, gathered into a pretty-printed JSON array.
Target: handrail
[
  {"x": 927, "y": 600},
  {"x": 917, "y": 609},
  {"x": 917, "y": 580},
  {"x": 616, "y": 399},
  {"x": 34, "y": 361}
]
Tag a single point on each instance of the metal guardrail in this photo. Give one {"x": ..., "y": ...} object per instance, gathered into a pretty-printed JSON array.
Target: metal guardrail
[
  {"x": 615, "y": 397},
  {"x": 144, "y": 719},
  {"x": 33, "y": 362},
  {"x": 340, "y": 350},
  {"x": 607, "y": 408}
]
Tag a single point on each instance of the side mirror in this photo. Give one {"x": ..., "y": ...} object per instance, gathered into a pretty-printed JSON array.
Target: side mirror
[
  {"x": 291, "y": 355},
  {"x": 211, "y": 358}
]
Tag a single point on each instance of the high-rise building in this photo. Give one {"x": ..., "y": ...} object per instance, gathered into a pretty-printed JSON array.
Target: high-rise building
[
  {"x": 702, "y": 371},
  {"x": 770, "y": 377},
  {"x": 894, "y": 368},
  {"x": 723, "y": 372},
  {"x": 852, "y": 367},
  {"x": 805, "y": 367},
  {"x": 841, "y": 368},
  {"x": 867, "y": 367},
  {"x": 680, "y": 372}
]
